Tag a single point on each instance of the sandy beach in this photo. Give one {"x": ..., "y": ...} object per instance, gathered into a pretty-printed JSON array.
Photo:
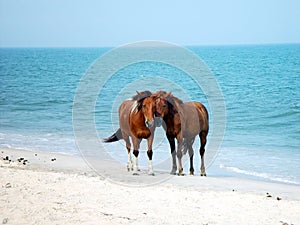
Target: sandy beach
[{"x": 60, "y": 189}]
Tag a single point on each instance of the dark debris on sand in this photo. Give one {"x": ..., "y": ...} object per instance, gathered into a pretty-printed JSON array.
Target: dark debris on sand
[
  {"x": 20, "y": 160},
  {"x": 270, "y": 196},
  {"x": 5, "y": 221},
  {"x": 6, "y": 158}
]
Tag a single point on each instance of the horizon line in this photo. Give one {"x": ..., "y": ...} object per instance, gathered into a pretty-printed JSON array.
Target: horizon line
[{"x": 184, "y": 45}]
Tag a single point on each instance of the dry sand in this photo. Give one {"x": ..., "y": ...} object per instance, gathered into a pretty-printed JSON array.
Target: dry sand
[{"x": 60, "y": 189}]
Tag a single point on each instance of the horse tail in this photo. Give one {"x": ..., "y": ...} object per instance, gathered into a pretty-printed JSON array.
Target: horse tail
[{"x": 115, "y": 137}]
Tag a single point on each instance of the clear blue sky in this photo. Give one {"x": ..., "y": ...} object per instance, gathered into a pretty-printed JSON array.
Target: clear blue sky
[{"x": 49, "y": 23}]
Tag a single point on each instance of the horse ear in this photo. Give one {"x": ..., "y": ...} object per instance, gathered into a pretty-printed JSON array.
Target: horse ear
[
  {"x": 138, "y": 92},
  {"x": 155, "y": 96}
]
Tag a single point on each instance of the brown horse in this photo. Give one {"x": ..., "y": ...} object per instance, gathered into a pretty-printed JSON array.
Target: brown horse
[
  {"x": 136, "y": 118},
  {"x": 183, "y": 121}
]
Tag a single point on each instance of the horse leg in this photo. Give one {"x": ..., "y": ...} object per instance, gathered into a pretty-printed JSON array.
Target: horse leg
[
  {"x": 136, "y": 147},
  {"x": 202, "y": 136},
  {"x": 150, "y": 153},
  {"x": 128, "y": 146},
  {"x": 173, "y": 153},
  {"x": 191, "y": 154},
  {"x": 179, "y": 156}
]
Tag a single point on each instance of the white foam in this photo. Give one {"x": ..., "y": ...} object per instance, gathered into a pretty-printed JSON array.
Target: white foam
[
  {"x": 50, "y": 142},
  {"x": 256, "y": 174}
]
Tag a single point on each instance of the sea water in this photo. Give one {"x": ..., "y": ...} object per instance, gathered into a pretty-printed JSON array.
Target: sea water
[{"x": 260, "y": 85}]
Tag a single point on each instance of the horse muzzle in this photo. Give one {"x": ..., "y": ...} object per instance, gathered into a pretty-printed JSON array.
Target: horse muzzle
[{"x": 149, "y": 123}]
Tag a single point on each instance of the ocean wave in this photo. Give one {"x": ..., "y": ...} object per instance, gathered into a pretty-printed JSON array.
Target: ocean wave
[
  {"x": 49, "y": 142},
  {"x": 266, "y": 176},
  {"x": 284, "y": 114}
]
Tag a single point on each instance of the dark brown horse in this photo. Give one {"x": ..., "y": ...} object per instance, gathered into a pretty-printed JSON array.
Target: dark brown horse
[
  {"x": 136, "y": 118},
  {"x": 183, "y": 121}
]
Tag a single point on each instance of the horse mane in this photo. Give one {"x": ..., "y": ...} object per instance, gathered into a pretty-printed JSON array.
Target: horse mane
[
  {"x": 173, "y": 102},
  {"x": 139, "y": 98}
]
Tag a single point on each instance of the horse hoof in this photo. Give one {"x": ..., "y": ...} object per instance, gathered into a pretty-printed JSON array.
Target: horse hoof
[
  {"x": 129, "y": 167},
  {"x": 192, "y": 173},
  {"x": 203, "y": 174},
  {"x": 135, "y": 173},
  {"x": 180, "y": 172},
  {"x": 151, "y": 174},
  {"x": 173, "y": 171}
]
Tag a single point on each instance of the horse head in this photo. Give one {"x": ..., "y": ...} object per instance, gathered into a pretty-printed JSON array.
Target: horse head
[
  {"x": 145, "y": 103},
  {"x": 166, "y": 103},
  {"x": 161, "y": 104}
]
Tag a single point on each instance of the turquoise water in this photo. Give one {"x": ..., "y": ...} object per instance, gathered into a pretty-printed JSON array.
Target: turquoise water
[{"x": 260, "y": 85}]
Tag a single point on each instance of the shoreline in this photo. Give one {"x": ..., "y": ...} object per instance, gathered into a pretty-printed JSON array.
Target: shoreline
[
  {"x": 78, "y": 164},
  {"x": 66, "y": 163},
  {"x": 60, "y": 189}
]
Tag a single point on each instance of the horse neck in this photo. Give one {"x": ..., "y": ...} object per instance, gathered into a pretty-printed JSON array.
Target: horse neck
[
  {"x": 137, "y": 117},
  {"x": 171, "y": 117},
  {"x": 177, "y": 104}
]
